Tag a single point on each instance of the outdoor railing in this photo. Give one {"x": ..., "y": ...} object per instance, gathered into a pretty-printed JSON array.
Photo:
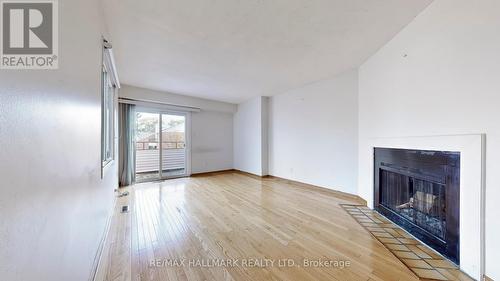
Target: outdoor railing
[
  {"x": 146, "y": 145},
  {"x": 148, "y": 160}
]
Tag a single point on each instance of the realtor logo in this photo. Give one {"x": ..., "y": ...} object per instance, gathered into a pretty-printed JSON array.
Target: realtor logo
[{"x": 29, "y": 34}]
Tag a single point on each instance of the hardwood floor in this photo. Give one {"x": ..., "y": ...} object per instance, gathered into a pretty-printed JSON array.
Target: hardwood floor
[{"x": 257, "y": 224}]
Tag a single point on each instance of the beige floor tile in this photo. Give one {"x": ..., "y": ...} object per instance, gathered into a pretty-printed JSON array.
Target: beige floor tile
[
  {"x": 397, "y": 247},
  {"x": 408, "y": 241},
  {"x": 364, "y": 220},
  {"x": 389, "y": 225},
  {"x": 454, "y": 274},
  {"x": 429, "y": 251},
  {"x": 429, "y": 273},
  {"x": 441, "y": 263},
  {"x": 419, "y": 252},
  {"x": 416, "y": 263},
  {"x": 375, "y": 229},
  {"x": 404, "y": 233},
  {"x": 446, "y": 273},
  {"x": 368, "y": 224},
  {"x": 359, "y": 217},
  {"x": 389, "y": 240},
  {"x": 406, "y": 255},
  {"x": 382, "y": 234},
  {"x": 393, "y": 232},
  {"x": 382, "y": 218}
]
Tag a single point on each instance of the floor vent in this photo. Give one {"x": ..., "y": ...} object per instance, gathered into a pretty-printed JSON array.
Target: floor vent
[{"x": 125, "y": 209}]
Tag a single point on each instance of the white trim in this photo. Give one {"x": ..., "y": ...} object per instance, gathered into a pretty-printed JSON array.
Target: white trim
[
  {"x": 103, "y": 248},
  {"x": 105, "y": 164},
  {"x": 160, "y": 146},
  {"x": 159, "y": 105},
  {"x": 188, "y": 143},
  {"x": 109, "y": 62},
  {"x": 472, "y": 189}
]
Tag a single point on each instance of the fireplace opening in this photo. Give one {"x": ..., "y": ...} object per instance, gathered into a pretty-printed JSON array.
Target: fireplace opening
[
  {"x": 421, "y": 202},
  {"x": 419, "y": 190}
]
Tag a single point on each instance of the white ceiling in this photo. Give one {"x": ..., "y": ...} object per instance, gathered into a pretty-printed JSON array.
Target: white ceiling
[{"x": 232, "y": 50}]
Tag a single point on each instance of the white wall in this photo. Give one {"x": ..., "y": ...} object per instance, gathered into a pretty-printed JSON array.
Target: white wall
[
  {"x": 439, "y": 76},
  {"x": 53, "y": 204},
  {"x": 132, "y": 92},
  {"x": 211, "y": 128},
  {"x": 250, "y": 136},
  {"x": 212, "y": 141},
  {"x": 313, "y": 133},
  {"x": 264, "y": 135}
]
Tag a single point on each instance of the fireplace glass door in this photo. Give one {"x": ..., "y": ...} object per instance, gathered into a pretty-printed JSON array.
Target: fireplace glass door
[
  {"x": 420, "y": 191},
  {"x": 420, "y": 201}
]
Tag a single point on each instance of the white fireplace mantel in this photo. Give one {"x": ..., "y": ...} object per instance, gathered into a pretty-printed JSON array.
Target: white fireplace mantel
[{"x": 472, "y": 151}]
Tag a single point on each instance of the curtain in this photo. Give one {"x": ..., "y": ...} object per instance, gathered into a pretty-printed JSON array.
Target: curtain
[{"x": 126, "y": 144}]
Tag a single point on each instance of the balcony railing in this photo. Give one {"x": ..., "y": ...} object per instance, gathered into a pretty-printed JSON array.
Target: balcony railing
[{"x": 148, "y": 160}]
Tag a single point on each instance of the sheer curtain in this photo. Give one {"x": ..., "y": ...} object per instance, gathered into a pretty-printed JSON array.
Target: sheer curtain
[{"x": 126, "y": 157}]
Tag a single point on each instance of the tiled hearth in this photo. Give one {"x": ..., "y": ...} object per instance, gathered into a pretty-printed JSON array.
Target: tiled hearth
[{"x": 422, "y": 260}]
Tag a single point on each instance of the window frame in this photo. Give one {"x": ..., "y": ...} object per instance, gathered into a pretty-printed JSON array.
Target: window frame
[{"x": 107, "y": 118}]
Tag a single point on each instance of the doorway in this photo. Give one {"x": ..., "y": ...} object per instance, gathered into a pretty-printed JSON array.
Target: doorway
[{"x": 162, "y": 145}]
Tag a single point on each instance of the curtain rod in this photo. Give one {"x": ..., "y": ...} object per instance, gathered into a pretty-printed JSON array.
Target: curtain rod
[{"x": 163, "y": 104}]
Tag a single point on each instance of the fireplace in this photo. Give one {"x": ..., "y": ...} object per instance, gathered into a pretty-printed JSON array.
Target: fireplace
[{"x": 419, "y": 190}]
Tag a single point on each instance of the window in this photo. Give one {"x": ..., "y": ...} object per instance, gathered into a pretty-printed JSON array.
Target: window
[
  {"x": 110, "y": 84},
  {"x": 108, "y": 109}
]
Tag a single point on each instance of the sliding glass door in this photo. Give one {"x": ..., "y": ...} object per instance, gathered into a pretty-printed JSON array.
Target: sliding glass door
[
  {"x": 161, "y": 145},
  {"x": 147, "y": 145},
  {"x": 173, "y": 145}
]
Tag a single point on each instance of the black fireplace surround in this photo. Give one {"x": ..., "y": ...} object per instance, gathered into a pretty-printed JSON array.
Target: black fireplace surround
[{"x": 420, "y": 191}]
